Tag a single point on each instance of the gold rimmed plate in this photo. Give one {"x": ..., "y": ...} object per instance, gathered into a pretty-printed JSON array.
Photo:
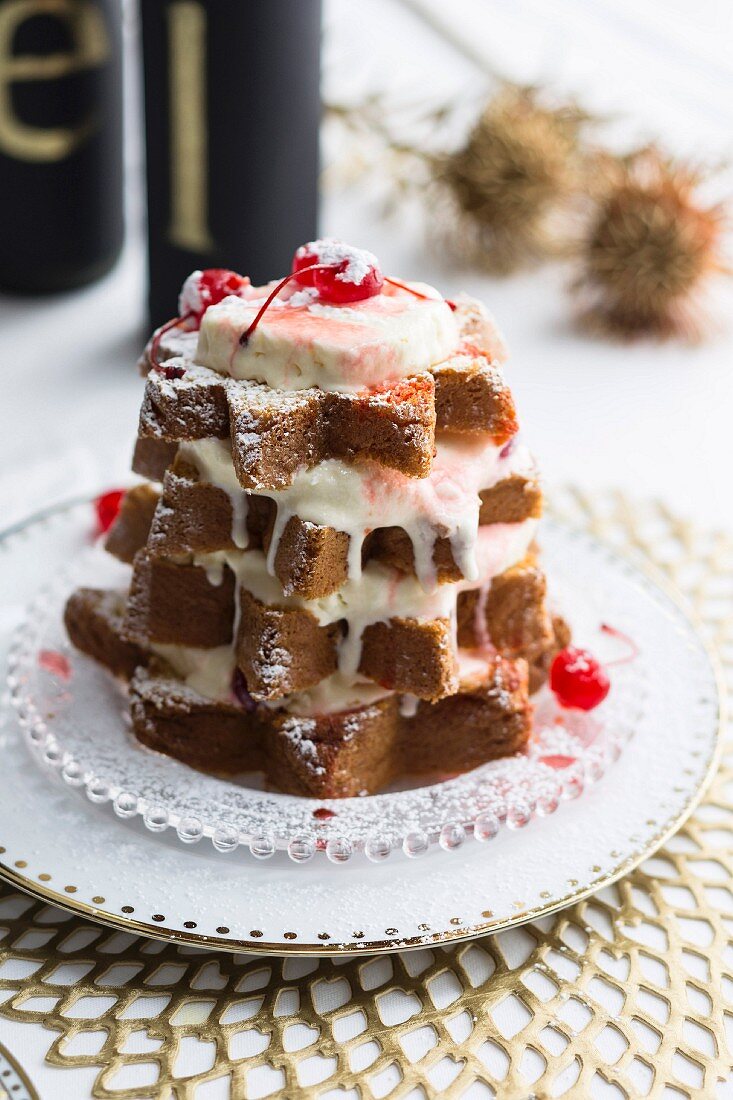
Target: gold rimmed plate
[{"x": 69, "y": 850}]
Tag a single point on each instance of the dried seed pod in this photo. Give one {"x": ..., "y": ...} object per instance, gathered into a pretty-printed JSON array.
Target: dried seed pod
[
  {"x": 504, "y": 198},
  {"x": 651, "y": 250}
]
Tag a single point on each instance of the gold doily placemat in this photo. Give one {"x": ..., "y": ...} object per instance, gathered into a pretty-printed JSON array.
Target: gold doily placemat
[{"x": 632, "y": 986}]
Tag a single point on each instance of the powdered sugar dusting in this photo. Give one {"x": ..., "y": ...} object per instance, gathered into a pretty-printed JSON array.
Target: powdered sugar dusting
[
  {"x": 301, "y": 298},
  {"x": 189, "y": 300},
  {"x": 328, "y": 250},
  {"x": 296, "y": 730}
]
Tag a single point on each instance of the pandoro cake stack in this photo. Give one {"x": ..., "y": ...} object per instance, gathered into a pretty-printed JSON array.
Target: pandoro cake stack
[{"x": 334, "y": 574}]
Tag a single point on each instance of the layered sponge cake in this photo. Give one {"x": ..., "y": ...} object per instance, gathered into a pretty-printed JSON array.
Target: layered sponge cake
[{"x": 334, "y": 576}]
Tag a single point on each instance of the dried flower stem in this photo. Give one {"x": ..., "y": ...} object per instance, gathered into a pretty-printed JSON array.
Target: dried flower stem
[{"x": 446, "y": 30}]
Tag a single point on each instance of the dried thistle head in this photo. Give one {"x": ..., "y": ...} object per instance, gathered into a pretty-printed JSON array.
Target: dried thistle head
[
  {"x": 498, "y": 197},
  {"x": 650, "y": 251}
]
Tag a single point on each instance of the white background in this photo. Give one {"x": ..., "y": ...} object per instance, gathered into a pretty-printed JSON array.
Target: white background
[{"x": 650, "y": 419}]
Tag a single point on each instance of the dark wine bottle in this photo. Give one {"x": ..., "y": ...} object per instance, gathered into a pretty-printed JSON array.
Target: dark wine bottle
[
  {"x": 60, "y": 142},
  {"x": 232, "y": 108}
]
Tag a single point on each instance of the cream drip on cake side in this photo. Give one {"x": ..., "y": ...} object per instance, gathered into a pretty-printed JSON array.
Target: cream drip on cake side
[
  {"x": 302, "y": 342},
  {"x": 209, "y": 672},
  {"x": 380, "y": 593},
  {"x": 206, "y": 671},
  {"x": 358, "y": 499}
]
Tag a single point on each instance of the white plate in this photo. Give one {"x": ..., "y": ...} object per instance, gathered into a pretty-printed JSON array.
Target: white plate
[
  {"x": 57, "y": 844},
  {"x": 76, "y": 720}
]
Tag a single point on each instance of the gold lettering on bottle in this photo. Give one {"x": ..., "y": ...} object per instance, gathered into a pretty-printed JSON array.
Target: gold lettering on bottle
[
  {"x": 90, "y": 49},
  {"x": 189, "y": 148}
]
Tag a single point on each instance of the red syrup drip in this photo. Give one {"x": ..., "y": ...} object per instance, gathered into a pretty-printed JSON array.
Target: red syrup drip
[
  {"x": 308, "y": 276},
  {"x": 55, "y": 663},
  {"x": 557, "y": 761},
  {"x": 633, "y": 649},
  {"x": 169, "y": 372},
  {"x": 323, "y": 813},
  {"x": 245, "y": 337},
  {"x": 298, "y": 276}
]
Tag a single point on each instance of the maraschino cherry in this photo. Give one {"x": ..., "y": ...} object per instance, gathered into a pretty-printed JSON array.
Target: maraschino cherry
[
  {"x": 200, "y": 290},
  {"x": 207, "y": 288},
  {"x": 107, "y": 507},
  {"x": 578, "y": 679},
  {"x": 339, "y": 272}
]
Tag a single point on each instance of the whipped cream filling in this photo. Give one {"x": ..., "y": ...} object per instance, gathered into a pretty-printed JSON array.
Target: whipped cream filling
[
  {"x": 358, "y": 498},
  {"x": 336, "y": 693},
  {"x": 207, "y": 671},
  {"x": 379, "y": 593},
  {"x": 302, "y": 342}
]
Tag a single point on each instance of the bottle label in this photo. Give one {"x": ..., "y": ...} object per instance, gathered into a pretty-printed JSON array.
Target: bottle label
[
  {"x": 90, "y": 48},
  {"x": 188, "y": 226}
]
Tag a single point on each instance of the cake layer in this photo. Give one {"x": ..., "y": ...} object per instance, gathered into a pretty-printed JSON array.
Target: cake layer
[
  {"x": 466, "y": 394},
  {"x": 94, "y": 620},
  {"x": 130, "y": 530},
  {"x": 330, "y": 755},
  {"x": 175, "y": 603},
  {"x": 152, "y": 457},
  {"x": 357, "y": 499},
  {"x": 337, "y": 756},
  {"x": 274, "y": 434},
  {"x": 310, "y": 560},
  {"x": 281, "y": 651},
  {"x": 384, "y": 627},
  {"x": 512, "y": 615},
  {"x": 471, "y": 397}
]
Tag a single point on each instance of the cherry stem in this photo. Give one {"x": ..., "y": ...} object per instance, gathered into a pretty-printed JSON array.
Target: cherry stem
[
  {"x": 244, "y": 338},
  {"x": 418, "y": 293},
  {"x": 409, "y": 289},
  {"x": 633, "y": 647},
  {"x": 160, "y": 333}
]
